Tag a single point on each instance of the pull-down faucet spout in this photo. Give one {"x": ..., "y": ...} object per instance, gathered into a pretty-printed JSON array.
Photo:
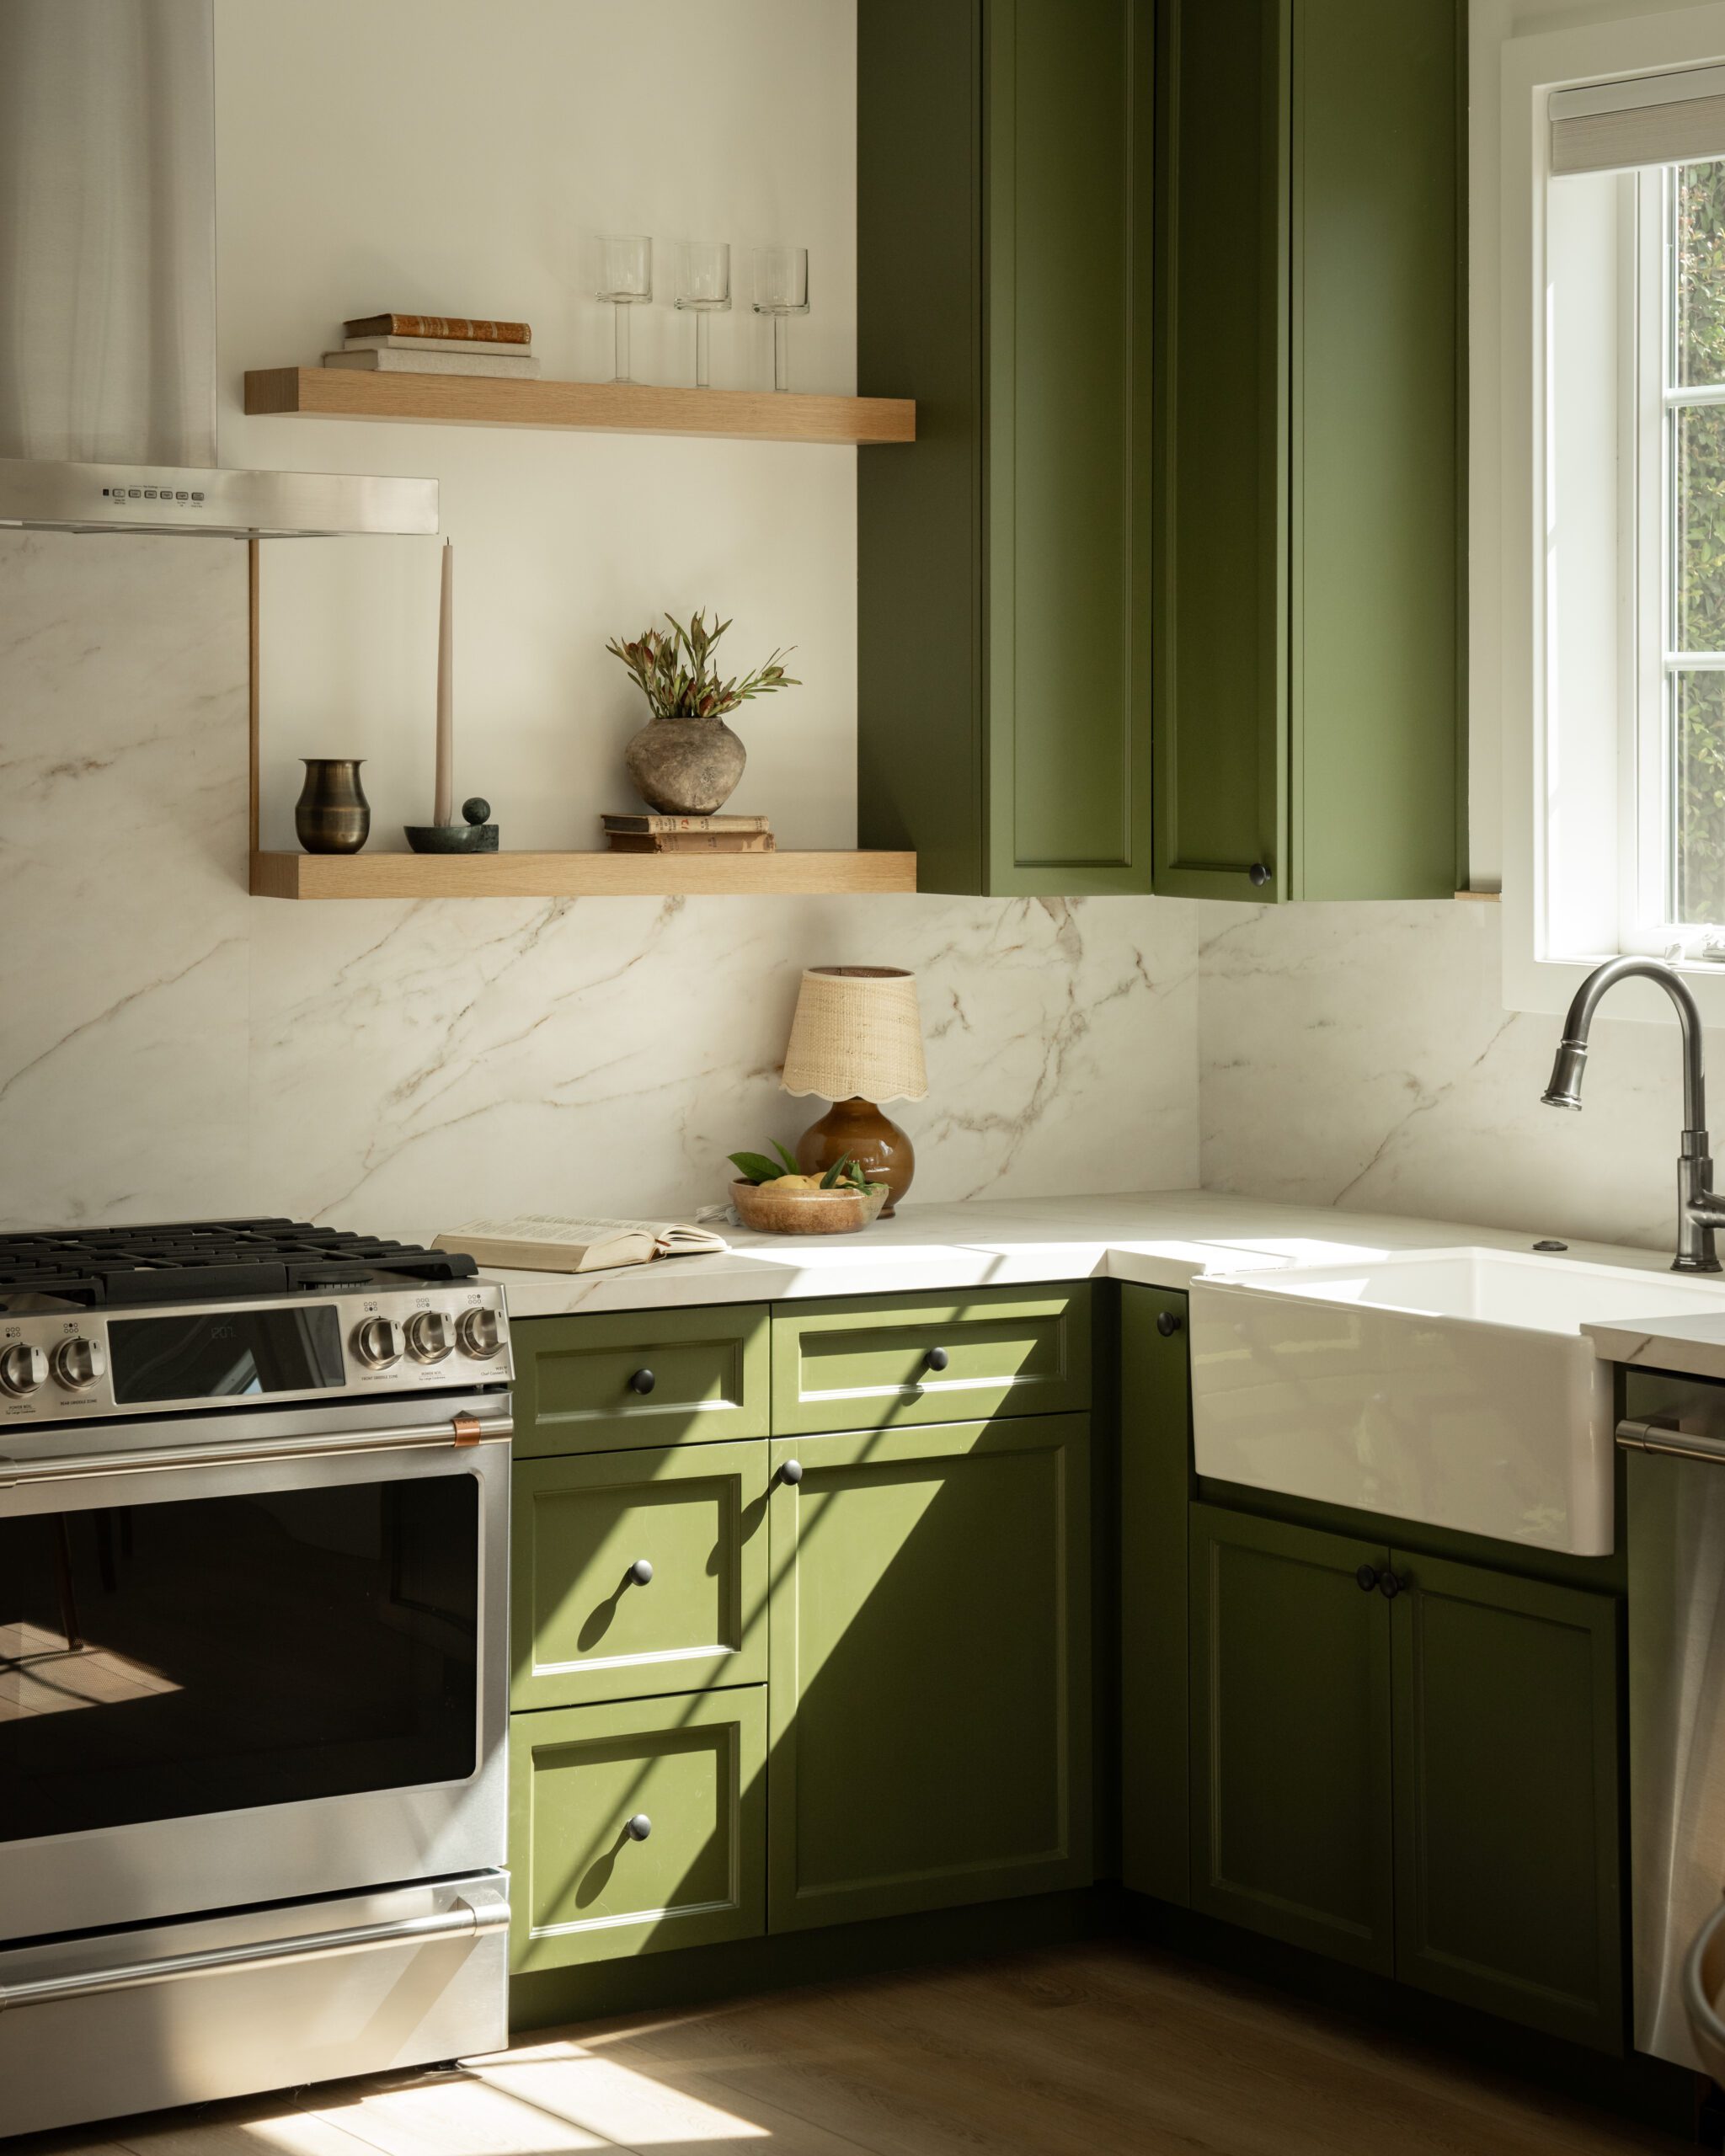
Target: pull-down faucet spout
[{"x": 1699, "y": 1212}]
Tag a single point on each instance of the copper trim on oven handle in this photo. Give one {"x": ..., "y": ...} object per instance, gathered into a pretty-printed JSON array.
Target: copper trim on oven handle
[
  {"x": 465, "y": 1919},
  {"x": 460, "y": 1430}
]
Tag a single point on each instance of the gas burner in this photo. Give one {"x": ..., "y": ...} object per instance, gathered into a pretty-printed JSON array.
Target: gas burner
[{"x": 211, "y": 1261}]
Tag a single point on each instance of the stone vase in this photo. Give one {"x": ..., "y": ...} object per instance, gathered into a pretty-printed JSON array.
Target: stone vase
[{"x": 684, "y": 767}]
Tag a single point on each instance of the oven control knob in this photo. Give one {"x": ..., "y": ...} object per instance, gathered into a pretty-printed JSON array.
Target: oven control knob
[
  {"x": 23, "y": 1368},
  {"x": 377, "y": 1341},
  {"x": 430, "y": 1335},
  {"x": 479, "y": 1333},
  {"x": 79, "y": 1362}
]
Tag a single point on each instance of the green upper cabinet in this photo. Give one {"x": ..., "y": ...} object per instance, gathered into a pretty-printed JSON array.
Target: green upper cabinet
[
  {"x": 1308, "y": 449},
  {"x": 1004, "y": 595}
]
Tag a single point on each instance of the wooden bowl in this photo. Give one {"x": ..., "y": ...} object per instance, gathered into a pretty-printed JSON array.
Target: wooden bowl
[{"x": 806, "y": 1212}]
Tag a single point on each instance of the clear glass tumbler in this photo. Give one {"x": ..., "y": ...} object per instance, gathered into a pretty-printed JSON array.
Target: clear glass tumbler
[
  {"x": 625, "y": 279},
  {"x": 780, "y": 289},
  {"x": 703, "y": 288}
]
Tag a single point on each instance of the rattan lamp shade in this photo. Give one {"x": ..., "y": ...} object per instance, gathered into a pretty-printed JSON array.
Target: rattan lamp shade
[{"x": 857, "y": 1032}]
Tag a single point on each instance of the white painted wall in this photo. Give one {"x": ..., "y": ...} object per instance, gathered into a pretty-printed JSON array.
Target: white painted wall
[{"x": 455, "y": 158}]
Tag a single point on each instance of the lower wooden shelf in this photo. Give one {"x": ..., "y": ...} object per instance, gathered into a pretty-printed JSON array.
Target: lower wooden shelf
[{"x": 575, "y": 875}]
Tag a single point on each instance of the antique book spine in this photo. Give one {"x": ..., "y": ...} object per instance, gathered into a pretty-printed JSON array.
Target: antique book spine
[{"x": 440, "y": 325}]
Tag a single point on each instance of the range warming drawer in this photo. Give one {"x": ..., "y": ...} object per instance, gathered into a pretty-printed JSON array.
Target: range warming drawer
[{"x": 184, "y": 2013}]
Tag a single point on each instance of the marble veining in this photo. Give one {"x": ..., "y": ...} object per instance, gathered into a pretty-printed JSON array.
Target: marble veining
[{"x": 176, "y": 1048}]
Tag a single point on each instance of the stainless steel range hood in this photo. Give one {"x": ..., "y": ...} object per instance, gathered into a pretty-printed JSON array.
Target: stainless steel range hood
[{"x": 107, "y": 290}]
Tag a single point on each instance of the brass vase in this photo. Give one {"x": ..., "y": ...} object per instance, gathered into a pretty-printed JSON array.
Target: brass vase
[{"x": 332, "y": 814}]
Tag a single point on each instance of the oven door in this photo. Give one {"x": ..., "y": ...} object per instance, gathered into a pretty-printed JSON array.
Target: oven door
[{"x": 250, "y": 1656}]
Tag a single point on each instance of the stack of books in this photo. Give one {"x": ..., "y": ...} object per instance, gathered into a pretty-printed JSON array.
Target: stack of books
[
  {"x": 689, "y": 835},
  {"x": 435, "y": 343}
]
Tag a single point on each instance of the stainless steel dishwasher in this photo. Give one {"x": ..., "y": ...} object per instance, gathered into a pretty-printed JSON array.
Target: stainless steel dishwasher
[{"x": 1673, "y": 1435}]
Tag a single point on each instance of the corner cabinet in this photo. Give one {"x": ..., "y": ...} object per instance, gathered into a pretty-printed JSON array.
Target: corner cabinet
[
  {"x": 1004, "y": 277},
  {"x": 1308, "y": 449}
]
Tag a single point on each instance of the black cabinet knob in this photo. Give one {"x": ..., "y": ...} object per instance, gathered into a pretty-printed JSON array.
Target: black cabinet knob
[
  {"x": 937, "y": 1359},
  {"x": 641, "y": 1572},
  {"x": 1167, "y": 1323},
  {"x": 791, "y": 1472},
  {"x": 1393, "y": 1583},
  {"x": 1366, "y": 1578},
  {"x": 1258, "y": 874},
  {"x": 640, "y": 1828},
  {"x": 643, "y": 1381}
]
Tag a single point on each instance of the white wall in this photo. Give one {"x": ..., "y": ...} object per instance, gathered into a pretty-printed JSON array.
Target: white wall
[
  {"x": 450, "y": 157},
  {"x": 174, "y": 1048}
]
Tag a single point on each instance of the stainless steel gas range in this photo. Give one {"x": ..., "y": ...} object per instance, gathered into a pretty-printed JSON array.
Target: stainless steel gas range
[{"x": 254, "y": 1545}]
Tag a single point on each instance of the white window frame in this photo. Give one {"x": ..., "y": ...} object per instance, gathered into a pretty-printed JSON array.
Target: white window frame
[{"x": 1510, "y": 606}]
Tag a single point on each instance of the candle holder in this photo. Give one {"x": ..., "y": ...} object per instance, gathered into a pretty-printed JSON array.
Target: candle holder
[{"x": 479, "y": 834}]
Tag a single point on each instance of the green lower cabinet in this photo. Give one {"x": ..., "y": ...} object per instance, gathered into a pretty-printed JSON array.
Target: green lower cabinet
[
  {"x": 615, "y": 1381},
  {"x": 633, "y": 1573},
  {"x": 1291, "y": 1816},
  {"x": 931, "y": 1671},
  {"x": 1508, "y": 1885},
  {"x": 1424, "y": 1782},
  {"x": 690, "y": 1773}
]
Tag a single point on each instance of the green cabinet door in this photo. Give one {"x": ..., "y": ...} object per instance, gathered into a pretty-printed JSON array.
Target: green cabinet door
[
  {"x": 614, "y": 1382},
  {"x": 1004, "y": 280},
  {"x": 1510, "y": 1890},
  {"x": 1308, "y": 462},
  {"x": 636, "y": 1827},
  {"x": 1291, "y": 1822},
  {"x": 632, "y": 1573},
  {"x": 1155, "y": 1454},
  {"x": 930, "y": 1654}
]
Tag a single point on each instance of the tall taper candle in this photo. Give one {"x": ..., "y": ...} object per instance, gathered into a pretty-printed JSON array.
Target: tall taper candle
[{"x": 443, "y": 801}]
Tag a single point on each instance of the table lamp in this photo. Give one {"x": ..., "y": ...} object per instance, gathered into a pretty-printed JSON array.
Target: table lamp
[{"x": 857, "y": 1040}]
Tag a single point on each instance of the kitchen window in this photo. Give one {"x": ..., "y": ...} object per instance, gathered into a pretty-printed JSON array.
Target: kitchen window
[{"x": 1612, "y": 480}]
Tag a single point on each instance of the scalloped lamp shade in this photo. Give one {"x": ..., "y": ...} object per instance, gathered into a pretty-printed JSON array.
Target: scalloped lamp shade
[
  {"x": 856, "y": 1039},
  {"x": 857, "y": 1032}
]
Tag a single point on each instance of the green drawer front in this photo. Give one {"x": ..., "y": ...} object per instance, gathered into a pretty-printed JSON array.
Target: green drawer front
[
  {"x": 585, "y": 1629},
  {"x": 867, "y": 1364},
  {"x": 573, "y": 1389},
  {"x": 585, "y": 1889}
]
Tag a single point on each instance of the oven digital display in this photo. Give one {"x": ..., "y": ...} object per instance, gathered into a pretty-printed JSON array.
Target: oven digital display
[{"x": 225, "y": 1355}]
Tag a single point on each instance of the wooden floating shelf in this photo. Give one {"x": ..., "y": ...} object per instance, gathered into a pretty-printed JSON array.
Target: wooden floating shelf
[
  {"x": 575, "y": 875},
  {"x": 600, "y": 407}
]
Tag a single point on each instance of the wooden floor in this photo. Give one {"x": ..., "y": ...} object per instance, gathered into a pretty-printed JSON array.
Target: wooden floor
[{"x": 1098, "y": 2050}]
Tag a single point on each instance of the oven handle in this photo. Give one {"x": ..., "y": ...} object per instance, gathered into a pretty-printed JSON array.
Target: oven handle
[
  {"x": 1636, "y": 1436},
  {"x": 459, "y": 1430},
  {"x": 465, "y": 1919}
]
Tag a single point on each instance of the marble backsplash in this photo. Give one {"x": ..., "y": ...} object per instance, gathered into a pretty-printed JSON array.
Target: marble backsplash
[
  {"x": 1361, "y": 1055},
  {"x": 175, "y": 1048}
]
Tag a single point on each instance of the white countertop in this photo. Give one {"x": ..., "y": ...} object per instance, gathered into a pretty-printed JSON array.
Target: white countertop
[
  {"x": 1693, "y": 1346},
  {"x": 1161, "y": 1239}
]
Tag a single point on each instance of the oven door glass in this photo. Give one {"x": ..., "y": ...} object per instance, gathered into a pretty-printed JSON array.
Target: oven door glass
[{"x": 167, "y": 1660}]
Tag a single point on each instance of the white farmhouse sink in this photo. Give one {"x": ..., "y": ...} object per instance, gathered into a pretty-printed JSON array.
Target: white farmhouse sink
[{"x": 1451, "y": 1387}]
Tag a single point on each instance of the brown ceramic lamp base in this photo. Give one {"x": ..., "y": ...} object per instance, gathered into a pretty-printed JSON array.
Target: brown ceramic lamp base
[{"x": 859, "y": 1128}]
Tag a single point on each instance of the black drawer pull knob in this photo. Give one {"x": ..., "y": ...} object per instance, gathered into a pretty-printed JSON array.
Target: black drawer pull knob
[
  {"x": 643, "y": 1382},
  {"x": 1258, "y": 874},
  {"x": 1393, "y": 1583},
  {"x": 1168, "y": 1324},
  {"x": 791, "y": 1472},
  {"x": 937, "y": 1359},
  {"x": 641, "y": 1572},
  {"x": 1366, "y": 1578},
  {"x": 640, "y": 1828}
]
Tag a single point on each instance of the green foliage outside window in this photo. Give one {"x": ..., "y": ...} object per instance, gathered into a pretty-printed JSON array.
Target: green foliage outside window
[{"x": 1698, "y": 608}]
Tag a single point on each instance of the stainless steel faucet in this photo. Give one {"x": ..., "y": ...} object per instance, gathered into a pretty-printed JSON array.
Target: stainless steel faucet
[{"x": 1699, "y": 1211}]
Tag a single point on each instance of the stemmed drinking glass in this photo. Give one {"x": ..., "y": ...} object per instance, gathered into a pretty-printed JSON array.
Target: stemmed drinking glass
[
  {"x": 780, "y": 289},
  {"x": 703, "y": 288},
  {"x": 625, "y": 279}
]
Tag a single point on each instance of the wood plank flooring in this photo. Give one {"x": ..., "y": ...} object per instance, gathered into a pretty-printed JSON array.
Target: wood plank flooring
[{"x": 1102, "y": 2049}]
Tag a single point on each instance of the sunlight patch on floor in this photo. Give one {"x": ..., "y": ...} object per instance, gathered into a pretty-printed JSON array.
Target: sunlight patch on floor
[{"x": 616, "y": 2100}]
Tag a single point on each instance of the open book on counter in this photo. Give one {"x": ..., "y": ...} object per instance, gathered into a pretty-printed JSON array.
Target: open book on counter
[{"x": 538, "y": 1242}]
